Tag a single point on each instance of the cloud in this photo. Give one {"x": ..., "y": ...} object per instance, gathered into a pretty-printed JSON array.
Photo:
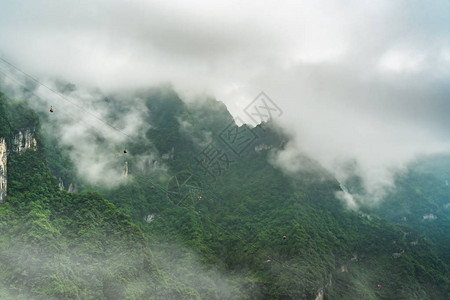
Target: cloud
[
  {"x": 94, "y": 129},
  {"x": 210, "y": 282},
  {"x": 51, "y": 260},
  {"x": 358, "y": 81}
]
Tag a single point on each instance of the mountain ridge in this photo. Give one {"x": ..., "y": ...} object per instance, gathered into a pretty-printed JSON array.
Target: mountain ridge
[{"x": 238, "y": 225}]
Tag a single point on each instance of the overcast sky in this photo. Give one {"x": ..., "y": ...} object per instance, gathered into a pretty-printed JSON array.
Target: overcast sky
[{"x": 361, "y": 81}]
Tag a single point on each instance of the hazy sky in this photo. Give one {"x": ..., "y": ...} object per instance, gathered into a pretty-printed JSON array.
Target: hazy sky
[{"x": 358, "y": 81}]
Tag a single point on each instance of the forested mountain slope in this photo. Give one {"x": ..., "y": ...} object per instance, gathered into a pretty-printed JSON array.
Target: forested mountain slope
[
  {"x": 59, "y": 245},
  {"x": 421, "y": 202},
  {"x": 258, "y": 233}
]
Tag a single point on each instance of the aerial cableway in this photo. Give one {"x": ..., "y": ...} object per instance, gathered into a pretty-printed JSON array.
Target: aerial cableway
[{"x": 184, "y": 190}]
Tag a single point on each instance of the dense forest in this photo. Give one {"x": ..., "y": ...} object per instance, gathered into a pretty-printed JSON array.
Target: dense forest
[
  {"x": 208, "y": 216},
  {"x": 60, "y": 245}
]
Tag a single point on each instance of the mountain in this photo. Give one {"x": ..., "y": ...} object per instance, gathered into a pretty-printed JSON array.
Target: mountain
[
  {"x": 60, "y": 245},
  {"x": 207, "y": 215},
  {"x": 421, "y": 203}
]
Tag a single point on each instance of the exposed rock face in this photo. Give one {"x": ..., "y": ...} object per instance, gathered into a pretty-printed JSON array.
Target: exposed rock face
[
  {"x": 125, "y": 169},
  {"x": 168, "y": 155},
  {"x": 320, "y": 295},
  {"x": 3, "y": 162},
  {"x": 149, "y": 218},
  {"x": 23, "y": 141},
  {"x": 429, "y": 217},
  {"x": 61, "y": 183},
  {"x": 398, "y": 254},
  {"x": 73, "y": 188},
  {"x": 354, "y": 258}
]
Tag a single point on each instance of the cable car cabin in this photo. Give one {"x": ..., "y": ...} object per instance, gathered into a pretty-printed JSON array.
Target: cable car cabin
[
  {"x": 125, "y": 151},
  {"x": 284, "y": 237},
  {"x": 199, "y": 198},
  {"x": 51, "y": 109}
]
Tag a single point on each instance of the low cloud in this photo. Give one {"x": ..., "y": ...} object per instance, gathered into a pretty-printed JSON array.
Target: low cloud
[
  {"x": 95, "y": 131},
  {"x": 360, "y": 83}
]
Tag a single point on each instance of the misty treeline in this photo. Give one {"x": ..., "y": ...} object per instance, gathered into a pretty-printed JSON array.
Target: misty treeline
[{"x": 254, "y": 233}]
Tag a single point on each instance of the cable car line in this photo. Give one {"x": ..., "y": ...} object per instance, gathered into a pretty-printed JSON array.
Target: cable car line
[
  {"x": 64, "y": 98},
  {"x": 198, "y": 212},
  {"x": 84, "y": 124}
]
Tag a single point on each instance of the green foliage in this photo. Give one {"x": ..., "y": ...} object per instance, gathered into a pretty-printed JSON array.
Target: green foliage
[
  {"x": 420, "y": 204},
  {"x": 243, "y": 214},
  {"x": 4, "y": 124},
  {"x": 229, "y": 245},
  {"x": 56, "y": 245}
]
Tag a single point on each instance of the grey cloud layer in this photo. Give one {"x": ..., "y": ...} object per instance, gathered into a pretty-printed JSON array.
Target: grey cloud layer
[{"x": 358, "y": 81}]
